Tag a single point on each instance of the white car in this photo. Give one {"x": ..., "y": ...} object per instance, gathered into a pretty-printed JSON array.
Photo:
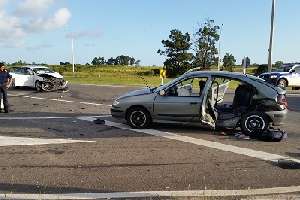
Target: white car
[
  {"x": 284, "y": 76},
  {"x": 40, "y": 77}
]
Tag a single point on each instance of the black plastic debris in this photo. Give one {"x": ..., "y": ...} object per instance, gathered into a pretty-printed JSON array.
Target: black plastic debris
[
  {"x": 269, "y": 135},
  {"x": 99, "y": 121},
  {"x": 288, "y": 164}
]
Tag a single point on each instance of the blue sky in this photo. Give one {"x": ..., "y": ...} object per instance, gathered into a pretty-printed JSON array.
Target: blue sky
[{"x": 40, "y": 30}]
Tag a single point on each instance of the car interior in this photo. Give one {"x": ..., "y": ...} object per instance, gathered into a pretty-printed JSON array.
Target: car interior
[
  {"x": 188, "y": 87},
  {"x": 224, "y": 107}
]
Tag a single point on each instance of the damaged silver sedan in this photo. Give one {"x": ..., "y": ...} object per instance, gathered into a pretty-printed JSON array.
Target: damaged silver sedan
[
  {"x": 212, "y": 99},
  {"x": 39, "y": 77}
]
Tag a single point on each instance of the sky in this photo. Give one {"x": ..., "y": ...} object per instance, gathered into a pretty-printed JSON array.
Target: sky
[{"x": 40, "y": 31}]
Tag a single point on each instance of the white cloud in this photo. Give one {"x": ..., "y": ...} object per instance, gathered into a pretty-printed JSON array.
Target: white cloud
[
  {"x": 15, "y": 28},
  {"x": 59, "y": 19},
  {"x": 10, "y": 29},
  {"x": 32, "y": 7}
]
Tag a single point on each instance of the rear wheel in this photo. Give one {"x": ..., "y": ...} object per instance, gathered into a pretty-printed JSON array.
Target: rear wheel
[
  {"x": 254, "y": 123},
  {"x": 282, "y": 83},
  {"x": 138, "y": 117}
]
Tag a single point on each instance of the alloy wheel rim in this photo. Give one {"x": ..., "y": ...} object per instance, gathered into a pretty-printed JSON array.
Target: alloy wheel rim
[
  {"x": 254, "y": 122},
  {"x": 138, "y": 118}
]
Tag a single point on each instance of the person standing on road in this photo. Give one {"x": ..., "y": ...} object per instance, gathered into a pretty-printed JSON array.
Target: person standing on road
[{"x": 5, "y": 82}]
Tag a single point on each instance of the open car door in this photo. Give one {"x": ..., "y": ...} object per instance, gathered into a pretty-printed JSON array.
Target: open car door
[{"x": 214, "y": 94}]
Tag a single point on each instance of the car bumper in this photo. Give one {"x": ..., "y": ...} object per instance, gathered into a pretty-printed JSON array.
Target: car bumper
[
  {"x": 117, "y": 113},
  {"x": 277, "y": 117}
]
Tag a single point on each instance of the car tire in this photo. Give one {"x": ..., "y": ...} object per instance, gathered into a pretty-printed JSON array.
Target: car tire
[
  {"x": 138, "y": 117},
  {"x": 38, "y": 86},
  {"x": 253, "y": 123},
  {"x": 282, "y": 83}
]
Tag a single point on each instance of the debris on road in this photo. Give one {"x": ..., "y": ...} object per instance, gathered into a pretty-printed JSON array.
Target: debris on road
[{"x": 99, "y": 121}]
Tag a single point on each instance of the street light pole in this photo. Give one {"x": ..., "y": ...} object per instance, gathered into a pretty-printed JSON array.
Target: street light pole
[
  {"x": 219, "y": 51},
  {"x": 73, "y": 65},
  {"x": 271, "y": 36}
]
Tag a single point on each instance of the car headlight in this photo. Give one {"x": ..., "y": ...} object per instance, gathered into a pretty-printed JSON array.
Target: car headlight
[
  {"x": 273, "y": 76},
  {"x": 115, "y": 103}
]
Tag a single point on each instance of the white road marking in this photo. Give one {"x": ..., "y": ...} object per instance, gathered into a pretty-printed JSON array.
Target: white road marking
[
  {"x": 215, "y": 145},
  {"x": 92, "y": 118},
  {"x": 145, "y": 194},
  {"x": 40, "y": 98},
  {"x": 16, "y": 141},
  {"x": 95, "y": 104},
  {"x": 62, "y": 100},
  {"x": 24, "y": 118}
]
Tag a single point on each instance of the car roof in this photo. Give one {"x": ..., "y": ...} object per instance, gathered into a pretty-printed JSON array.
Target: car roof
[
  {"x": 253, "y": 80},
  {"x": 35, "y": 66},
  {"x": 233, "y": 75}
]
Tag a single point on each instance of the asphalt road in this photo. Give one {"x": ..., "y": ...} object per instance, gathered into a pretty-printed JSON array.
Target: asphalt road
[{"x": 108, "y": 159}]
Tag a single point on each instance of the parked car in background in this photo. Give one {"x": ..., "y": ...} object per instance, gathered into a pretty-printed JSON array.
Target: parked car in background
[
  {"x": 199, "y": 97},
  {"x": 39, "y": 77},
  {"x": 286, "y": 75}
]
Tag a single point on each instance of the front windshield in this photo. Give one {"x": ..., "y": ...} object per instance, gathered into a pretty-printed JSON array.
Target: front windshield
[
  {"x": 42, "y": 70},
  {"x": 282, "y": 69},
  {"x": 167, "y": 84}
]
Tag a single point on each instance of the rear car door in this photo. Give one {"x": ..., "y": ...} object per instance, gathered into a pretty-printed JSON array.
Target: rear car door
[
  {"x": 181, "y": 102},
  {"x": 294, "y": 79},
  {"x": 22, "y": 78}
]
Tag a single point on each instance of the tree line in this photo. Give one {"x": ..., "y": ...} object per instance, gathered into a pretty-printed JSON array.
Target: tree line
[
  {"x": 182, "y": 53},
  {"x": 119, "y": 60}
]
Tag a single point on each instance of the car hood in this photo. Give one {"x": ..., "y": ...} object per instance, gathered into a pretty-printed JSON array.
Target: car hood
[
  {"x": 275, "y": 73},
  {"x": 139, "y": 92},
  {"x": 54, "y": 74}
]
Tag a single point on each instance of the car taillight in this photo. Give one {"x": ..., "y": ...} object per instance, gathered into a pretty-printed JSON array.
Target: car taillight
[{"x": 282, "y": 101}]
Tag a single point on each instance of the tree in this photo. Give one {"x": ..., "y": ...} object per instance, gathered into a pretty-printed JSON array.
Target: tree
[
  {"x": 176, "y": 51},
  {"x": 110, "y": 61},
  {"x": 205, "y": 45},
  {"x": 228, "y": 62},
  {"x": 137, "y": 62},
  {"x": 98, "y": 61},
  {"x": 278, "y": 64},
  {"x": 18, "y": 63},
  {"x": 131, "y": 61},
  {"x": 64, "y": 63}
]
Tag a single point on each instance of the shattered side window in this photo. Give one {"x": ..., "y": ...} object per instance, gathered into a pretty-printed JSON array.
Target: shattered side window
[
  {"x": 188, "y": 87},
  {"x": 42, "y": 70}
]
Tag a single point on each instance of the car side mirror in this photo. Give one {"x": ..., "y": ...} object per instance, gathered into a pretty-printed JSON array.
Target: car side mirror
[
  {"x": 292, "y": 70},
  {"x": 162, "y": 92}
]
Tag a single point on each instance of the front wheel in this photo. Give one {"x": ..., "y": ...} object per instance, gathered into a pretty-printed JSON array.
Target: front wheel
[
  {"x": 138, "y": 117},
  {"x": 38, "y": 86},
  {"x": 254, "y": 122}
]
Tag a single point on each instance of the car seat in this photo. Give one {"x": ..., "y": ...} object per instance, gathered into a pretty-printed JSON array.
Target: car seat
[
  {"x": 241, "y": 101},
  {"x": 242, "y": 97},
  {"x": 201, "y": 87}
]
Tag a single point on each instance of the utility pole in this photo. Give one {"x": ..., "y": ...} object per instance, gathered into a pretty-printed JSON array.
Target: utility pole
[
  {"x": 271, "y": 36},
  {"x": 219, "y": 51},
  {"x": 73, "y": 65}
]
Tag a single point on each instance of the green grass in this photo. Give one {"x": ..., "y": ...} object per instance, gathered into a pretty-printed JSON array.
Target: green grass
[
  {"x": 119, "y": 75},
  {"x": 108, "y": 78}
]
